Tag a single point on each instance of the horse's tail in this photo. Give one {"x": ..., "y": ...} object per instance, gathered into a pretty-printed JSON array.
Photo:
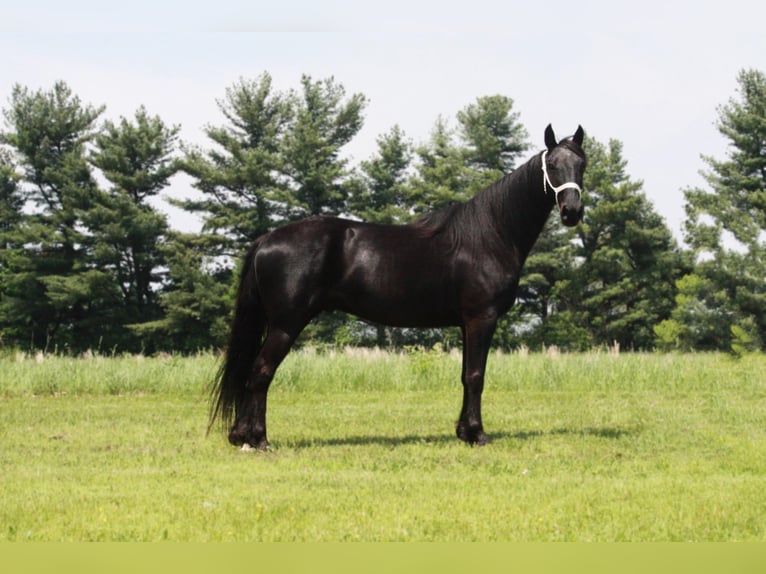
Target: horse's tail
[{"x": 245, "y": 341}]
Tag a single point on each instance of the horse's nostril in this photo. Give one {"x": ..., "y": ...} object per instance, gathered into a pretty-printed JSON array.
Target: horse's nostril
[{"x": 570, "y": 215}]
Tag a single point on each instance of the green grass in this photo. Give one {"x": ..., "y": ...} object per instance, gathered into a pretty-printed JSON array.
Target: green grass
[{"x": 585, "y": 447}]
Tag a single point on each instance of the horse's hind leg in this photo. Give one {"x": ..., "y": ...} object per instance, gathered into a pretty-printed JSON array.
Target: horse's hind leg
[{"x": 250, "y": 425}]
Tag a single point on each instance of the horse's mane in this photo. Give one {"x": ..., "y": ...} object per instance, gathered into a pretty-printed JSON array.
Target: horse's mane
[{"x": 500, "y": 202}]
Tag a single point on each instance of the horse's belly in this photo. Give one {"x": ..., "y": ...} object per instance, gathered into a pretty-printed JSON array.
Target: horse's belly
[
  {"x": 404, "y": 316},
  {"x": 413, "y": 307}
]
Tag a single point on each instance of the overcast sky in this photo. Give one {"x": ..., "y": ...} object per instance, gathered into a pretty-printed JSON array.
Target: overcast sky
[{"x": 650, "y": 74}]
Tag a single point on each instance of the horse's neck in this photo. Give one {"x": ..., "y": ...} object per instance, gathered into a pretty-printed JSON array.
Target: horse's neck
[{"x": 528, "y": 210}]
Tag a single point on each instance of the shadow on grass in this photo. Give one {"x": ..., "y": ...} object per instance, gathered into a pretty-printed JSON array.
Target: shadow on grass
[
  {"x": 611, "y": 433},
  {"x": 605, "y": 432}
]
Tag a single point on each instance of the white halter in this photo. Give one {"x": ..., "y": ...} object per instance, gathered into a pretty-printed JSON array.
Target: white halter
[{"x": 556, "y": 189}]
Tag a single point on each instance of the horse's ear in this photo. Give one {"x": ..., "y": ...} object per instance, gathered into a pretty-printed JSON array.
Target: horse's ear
[
  {"x": 550, "y": 137},
  {"x": 579, "y": 136}
]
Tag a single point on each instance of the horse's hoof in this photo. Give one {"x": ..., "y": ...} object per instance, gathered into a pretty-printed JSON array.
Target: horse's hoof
[
  {"x": 481, "y": 440},
  {"x": 474, "y": 437},
  {"x": 262, "y": 446}
]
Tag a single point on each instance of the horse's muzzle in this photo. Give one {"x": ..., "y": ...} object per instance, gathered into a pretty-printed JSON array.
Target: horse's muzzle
[{"x": 572, "y": 216}]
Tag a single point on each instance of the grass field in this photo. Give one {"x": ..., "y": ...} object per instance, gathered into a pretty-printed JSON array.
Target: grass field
[{"x": 586, "y": 447}]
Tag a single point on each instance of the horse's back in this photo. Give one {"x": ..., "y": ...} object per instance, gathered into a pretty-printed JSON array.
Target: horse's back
[{"x": 390, "y": 274}]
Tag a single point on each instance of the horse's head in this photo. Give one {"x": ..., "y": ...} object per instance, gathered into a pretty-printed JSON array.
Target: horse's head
[{"x": 563, "y": 165}]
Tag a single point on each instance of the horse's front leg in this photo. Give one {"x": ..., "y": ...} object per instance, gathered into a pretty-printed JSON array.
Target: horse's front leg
[{"x": 477, "y": 336}]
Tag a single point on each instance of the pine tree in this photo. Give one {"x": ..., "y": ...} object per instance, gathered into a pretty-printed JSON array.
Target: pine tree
[
  {"x": 11, "y": 201},
  {"x": 324, "y": 122},
  {"x": 456, "y": 163},
  {"x": 628, "y": 262},
  {"x": 494, "y": 138},
  {"x": 12, "y": 331},
  {"x": 380, "y": 191},
  {"x": 126, "y": 232},
  {"x": 442, "y": 177},
  {"x": 726, "y": 225},
  {"x": 239, "y": 177},
  {"x": 196, "y": 299},
  {"x": 56, "y": 296}
]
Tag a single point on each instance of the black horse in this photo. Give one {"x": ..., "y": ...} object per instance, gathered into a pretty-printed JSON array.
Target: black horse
[{"x": 458, "y": 266}]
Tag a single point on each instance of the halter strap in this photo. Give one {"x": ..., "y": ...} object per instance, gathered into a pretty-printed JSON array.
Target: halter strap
[{"x": 556, "y": 189}]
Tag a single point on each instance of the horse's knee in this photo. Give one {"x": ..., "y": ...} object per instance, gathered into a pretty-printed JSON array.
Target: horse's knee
[{"x": 474, "y": 381}]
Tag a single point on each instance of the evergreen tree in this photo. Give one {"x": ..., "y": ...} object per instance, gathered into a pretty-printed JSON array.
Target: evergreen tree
[
  {"x": 628, "y": 261},
  {"x": 242, "y": 186},
  {"x": 196, "y": 299},
  {"x": 240, "y": 177},
  {"x": 11, "y": 201},
  {"x": 493, "y": 137},
  {"x": 56, "y": 297},
  {"x": 699, "y": 320},
  {"x": 127, "y": 233},
  {"x": 278, "y": 159},
  {"x": 455, "y": 164},
  {"x": 324, "y": 121},
  {"x": 318, "y": 179},
  {"x": 12, "y": 331},
  {"x": 380, "y": 191},
  {"x": 442, "y": 177},
  {"x": 726, "y": 227}
]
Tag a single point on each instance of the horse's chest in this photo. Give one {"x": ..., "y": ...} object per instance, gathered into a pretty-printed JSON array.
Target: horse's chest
[{"x": 490, "y": 283}]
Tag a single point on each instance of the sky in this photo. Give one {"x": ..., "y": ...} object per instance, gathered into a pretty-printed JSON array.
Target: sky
[{"x": 650, "y": 74}]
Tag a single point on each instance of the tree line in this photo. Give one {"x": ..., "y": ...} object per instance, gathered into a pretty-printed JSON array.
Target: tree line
[{"x": 87, "y": 262}]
